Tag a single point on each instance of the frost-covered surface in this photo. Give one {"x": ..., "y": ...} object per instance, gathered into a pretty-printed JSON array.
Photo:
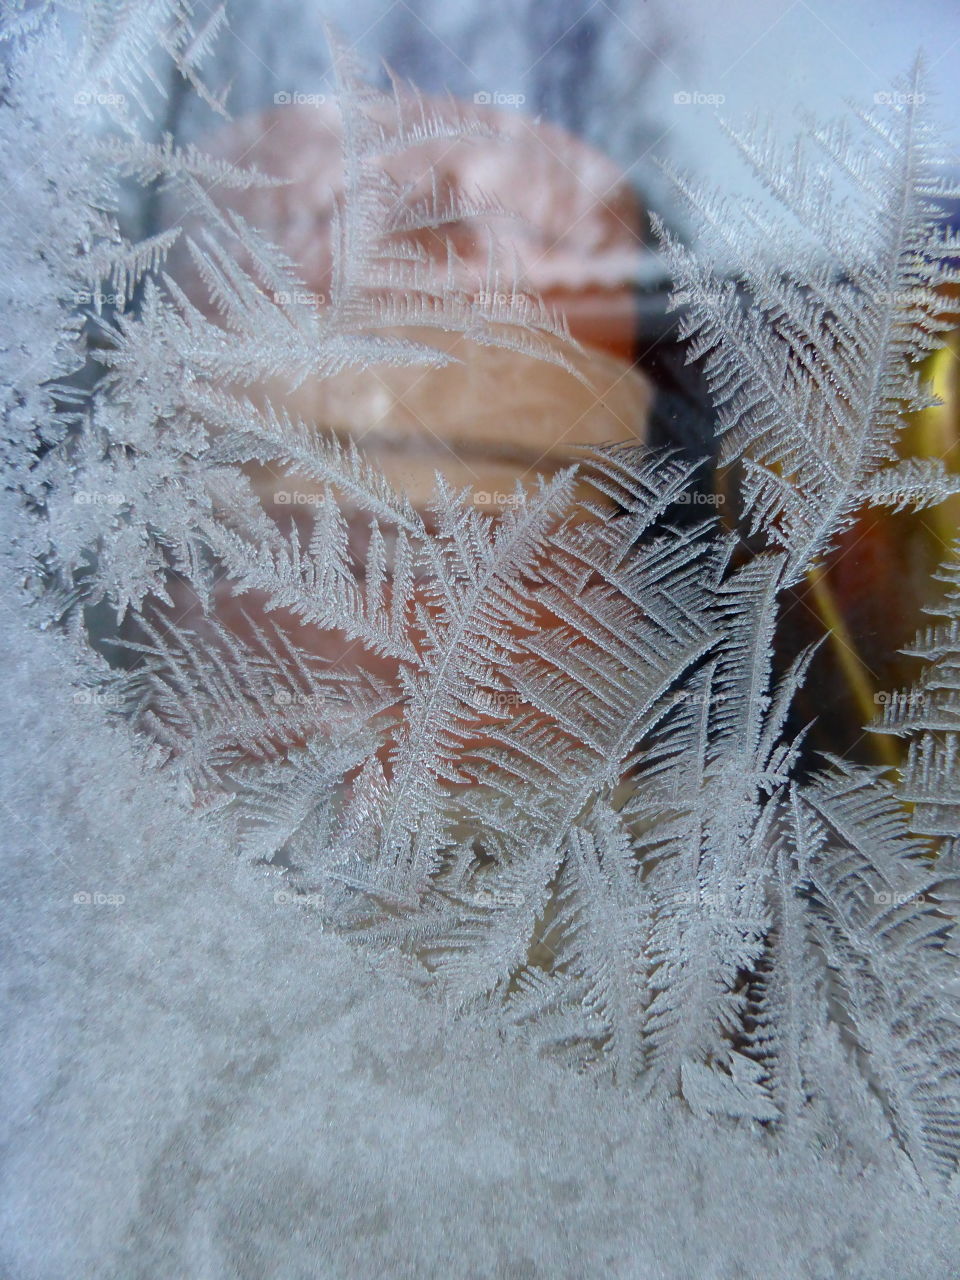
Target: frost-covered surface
[
  {"x": 555, "y": 798},
  {"x": 199, "y": 1083}
]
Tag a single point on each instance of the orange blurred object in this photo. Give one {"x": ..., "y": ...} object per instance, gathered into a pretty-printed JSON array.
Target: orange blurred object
[
  {"x": 573, "y": 226},
  {"x": 574, "y": 236},
  {"x": 496, "y": 415}
]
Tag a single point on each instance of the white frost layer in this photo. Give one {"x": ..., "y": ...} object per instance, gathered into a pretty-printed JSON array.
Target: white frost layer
[{"x": 199, "y": 1084}]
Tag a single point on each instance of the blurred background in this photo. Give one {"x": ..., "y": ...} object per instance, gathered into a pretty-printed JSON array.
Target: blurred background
[
  {"x": 595, "y": 98},
  {"x": 607, "y": 71}
]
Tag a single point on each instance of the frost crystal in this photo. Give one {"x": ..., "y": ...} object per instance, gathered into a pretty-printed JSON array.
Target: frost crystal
[{"x": 551, "y": 775}]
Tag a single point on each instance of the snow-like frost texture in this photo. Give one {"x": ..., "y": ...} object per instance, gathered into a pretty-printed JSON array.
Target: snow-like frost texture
[{"x": 199, "y": 1083}]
